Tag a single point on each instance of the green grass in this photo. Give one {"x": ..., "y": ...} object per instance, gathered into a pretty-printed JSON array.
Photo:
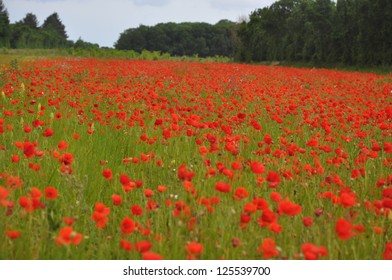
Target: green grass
[{"x": 107, "y": 146}]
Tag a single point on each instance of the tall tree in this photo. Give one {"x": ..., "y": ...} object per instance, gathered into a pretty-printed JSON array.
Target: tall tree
[
  {"x": 30, "y": 20},
  {"x": 54, "y": 23},
  {"x": 5, "y": 32}
]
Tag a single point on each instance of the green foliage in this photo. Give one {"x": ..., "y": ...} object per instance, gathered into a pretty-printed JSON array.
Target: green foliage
[
  {"x": 4, "y": 26},
  {"x": 30, "y": 20},
  {"x": 321, "y": 32},
  {"x": 54, "y": 24},
  {"x": 183, "y": 39}
]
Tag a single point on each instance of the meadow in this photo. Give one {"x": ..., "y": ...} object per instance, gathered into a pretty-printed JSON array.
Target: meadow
[{"x": 131, "y": 159}]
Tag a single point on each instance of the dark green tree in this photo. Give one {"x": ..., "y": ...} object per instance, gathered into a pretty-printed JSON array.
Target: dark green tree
[
  {"x": 5, "y": 32},
  {"x": 24, "y": 37},
  {"x": 81, "y": 44},
  {"x": 180, "y": 39},
  {"x": 31, "y": 21},
  {"x": 319, "y": 32},
  {"x": 54, "y": 24}
]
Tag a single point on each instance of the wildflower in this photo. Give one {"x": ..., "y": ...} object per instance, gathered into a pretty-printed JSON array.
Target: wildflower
[
  {"x": 48, "y": 132},
  {"x": 50, "y": 193},
  {"x": 273, "y": 179},
  {"x": 275, "y": 196},
  {"x": 107, "y": 173},
  {"x": 127, "y": 226},
  {"x": 117, "y": 199},
  {"x": 194, "y": 249},
  {"x": 66, "y": 158},
  {"x": 388, "y": 251},
  {"x": 142, "y": 246},
  {"x": 126, "y": 245},
  {"x": 151, "y": 256},
  {"x": 222, "y": 187},
  {"x": 343, "y": 229},
  {"x": 289, "y": 208},
  {"x": 240, "y": 193},
  {"x": 268, "y": 248},
  {"x": 136, "y": 210},
  {"x": 13, "y": 234},
  {"x": 28, "y": 149},
  {"x": 312, "y": 252},
  {"x": 68, "y": 236},
  {"x": 257, "y": 167},
  {"x": 307, "y": 221}
]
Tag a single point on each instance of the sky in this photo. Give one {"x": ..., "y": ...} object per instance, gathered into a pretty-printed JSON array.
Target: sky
[{"x": 102, "y": 21}]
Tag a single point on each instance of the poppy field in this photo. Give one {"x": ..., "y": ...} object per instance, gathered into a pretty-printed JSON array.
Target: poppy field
[{"x": 120, "y": 159}]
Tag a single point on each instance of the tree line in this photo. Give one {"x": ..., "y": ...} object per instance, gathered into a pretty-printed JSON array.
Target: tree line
[
  {"x": 181, "y": 39},
  {"x": 28, "y": 34},
  {"x": 321, "y": 32},
  {"x": 349, "y": 32}
]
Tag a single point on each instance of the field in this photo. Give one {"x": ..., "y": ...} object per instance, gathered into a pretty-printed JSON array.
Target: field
[{"x": 129, "y": 159}]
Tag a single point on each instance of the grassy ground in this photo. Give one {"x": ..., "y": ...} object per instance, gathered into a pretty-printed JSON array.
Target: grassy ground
[{"x": 210, "y": 161}]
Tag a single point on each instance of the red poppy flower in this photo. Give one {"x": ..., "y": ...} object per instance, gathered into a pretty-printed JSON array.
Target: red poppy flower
[
  {"x": 48, "y": 132},
  {"x": 257, "y": 167},
  {"x": 125, "y": 245},
  {"x": 51, "y": 193},
  {"x": 28, "y": 149},
  {"x": 68, "y": 236},
  {"x": 13, "y": 234},
  {"x": 307, "y": 221},
  {"x": 236, "y": 165},
  {"x": 184, "y": 174},
  {"x": 275, "y": 196},
  {"x": 15, "y": 158},
  {"x": 240, "y": 193},
  {"x": 388, "y": 251},
  {"x": 194, "y": 248},
  {"x": 222, "y": 187},
  {"x": 124, "y": 179},
  {"x": 289, "y": 208},
  {"x": 66, "y": 158},
  {"x": 101, "y": 208},
  {"x": 347, "y": 199},
  {"x": 117, "y": 199},
  {"x": 274, "y": 227},
  {"x": 68, "y": 221},
  {"x": 267, "y": 217},
  {"x": 107, "y": 173},
  {"x": 267, "y": 139},
  {"x": 388, "y": 147},
  {"x": 100, "y": 219},
  {"x": 100, "y": 215},
  {"x": 151, "y": 256},
  {"x": 137, "y": 210},
  {"x": 35, "y": 193},
  {"x": 250, "y": 208},
  {"x": 143, "y": 246},
  {"x": 313, "y": 142},
  {"x": 273, "y": 179},
  {"x": 312, "y": 252},
  {"x": 268, "y": 248},
  {"x": 127, "y": 226},
  {"x": 4, "y": 193},
  {"x": 148, "y": 193},
  {"x": 343, "y": 229}
]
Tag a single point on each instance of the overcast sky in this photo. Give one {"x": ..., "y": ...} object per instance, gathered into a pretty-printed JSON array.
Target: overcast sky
[{"x": 102, "y": 21}]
